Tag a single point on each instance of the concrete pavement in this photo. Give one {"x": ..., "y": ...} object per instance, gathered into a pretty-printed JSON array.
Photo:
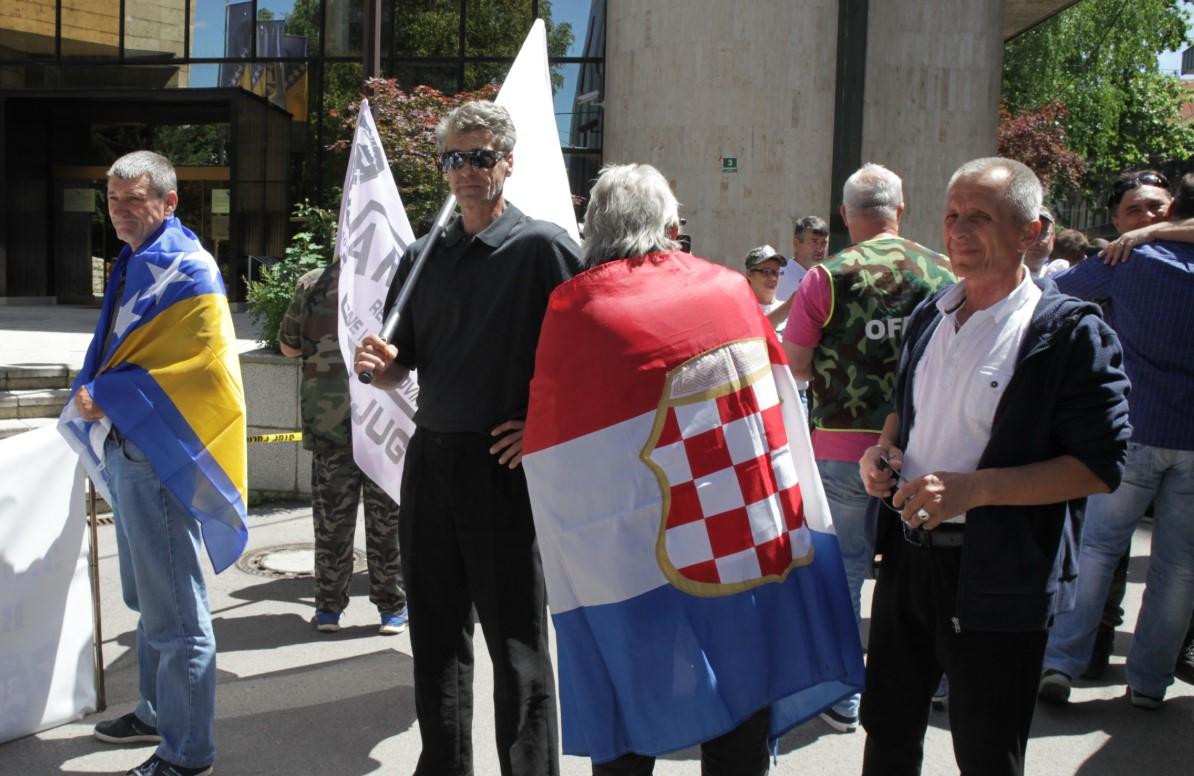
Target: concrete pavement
[{"x": 292, "y": 701}]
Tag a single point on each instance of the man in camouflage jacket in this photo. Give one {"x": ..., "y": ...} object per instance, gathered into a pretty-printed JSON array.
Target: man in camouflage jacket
[
  {"x": 309, "y": 331},
  {"x": 843, "y": 336}
]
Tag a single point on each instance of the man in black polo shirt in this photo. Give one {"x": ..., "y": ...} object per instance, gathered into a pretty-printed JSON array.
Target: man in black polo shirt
[{"x": 466, "y": 534}]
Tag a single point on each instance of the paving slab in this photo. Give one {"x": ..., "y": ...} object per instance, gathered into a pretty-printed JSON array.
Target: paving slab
[{"x": 292, "y": 701}]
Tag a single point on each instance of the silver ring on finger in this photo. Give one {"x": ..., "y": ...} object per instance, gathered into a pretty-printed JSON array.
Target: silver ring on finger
[{"x": 923, "y": 514}]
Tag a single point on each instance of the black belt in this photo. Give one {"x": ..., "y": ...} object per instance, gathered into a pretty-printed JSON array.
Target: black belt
[{"x": 943, "y": 536}]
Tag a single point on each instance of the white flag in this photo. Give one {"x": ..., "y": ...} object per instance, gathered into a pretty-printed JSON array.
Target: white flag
[
  {"x": 539, "y": 183},
  {"x": 374, "y": 232}
]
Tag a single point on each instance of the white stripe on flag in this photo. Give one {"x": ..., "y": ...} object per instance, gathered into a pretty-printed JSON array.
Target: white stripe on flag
[{"x": 620, "y": 500}]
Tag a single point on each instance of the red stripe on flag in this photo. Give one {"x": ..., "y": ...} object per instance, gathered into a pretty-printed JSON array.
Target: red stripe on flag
[{"x": 612, "y": 333}]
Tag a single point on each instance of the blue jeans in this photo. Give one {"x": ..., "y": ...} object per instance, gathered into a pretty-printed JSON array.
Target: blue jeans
[
  {"x": 1165, "y": 478},
  {"x": 848, "y": 502},
  {"x": 161, "y": 577}
]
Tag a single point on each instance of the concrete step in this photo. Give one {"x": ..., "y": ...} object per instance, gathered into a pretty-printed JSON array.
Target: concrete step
[
  {"x": 30, "y": 376},
  {"x": 13, "y": 426},
  {"x": 33, "y": 403}
]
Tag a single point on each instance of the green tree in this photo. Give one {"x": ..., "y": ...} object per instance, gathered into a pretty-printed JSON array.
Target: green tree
[{"x": 1098, "y": 59}]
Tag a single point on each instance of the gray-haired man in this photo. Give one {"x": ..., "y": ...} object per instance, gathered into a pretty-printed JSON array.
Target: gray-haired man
[{"x": 465, "y": 530}]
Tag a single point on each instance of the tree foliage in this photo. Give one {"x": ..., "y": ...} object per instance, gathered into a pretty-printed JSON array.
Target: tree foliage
[
  {"x": 406, "y": 124},
  {"x": 310, "y": 248},
  {"x": 1038, "y": 139},
  {"x": 1098, "y": 59}
]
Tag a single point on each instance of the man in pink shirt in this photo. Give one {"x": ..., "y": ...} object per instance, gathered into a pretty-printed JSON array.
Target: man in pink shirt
[{"x": 843, "y": 336}]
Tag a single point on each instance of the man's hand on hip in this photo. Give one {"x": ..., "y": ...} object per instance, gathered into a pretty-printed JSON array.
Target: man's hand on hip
[{"x": 509, "y": 447}]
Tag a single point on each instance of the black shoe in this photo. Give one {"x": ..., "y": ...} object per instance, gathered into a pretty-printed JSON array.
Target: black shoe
[
  {"x": 127, "y": 730},
  {"x": 1054, "y": 687},
  {"x": 156, "y": 766},
  {"x": 1184, "y": 669},
  {"x": 1100, "y": 657}
]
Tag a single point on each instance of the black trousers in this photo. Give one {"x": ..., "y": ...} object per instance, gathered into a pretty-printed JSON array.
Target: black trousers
[
  {"x": 741, "y": 752},
  {"x": 993, "y": 676},
  {"x": 468, "y": 542}
]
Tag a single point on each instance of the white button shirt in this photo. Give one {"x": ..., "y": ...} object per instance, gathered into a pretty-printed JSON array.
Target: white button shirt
[{"x": 960, "y": 379}]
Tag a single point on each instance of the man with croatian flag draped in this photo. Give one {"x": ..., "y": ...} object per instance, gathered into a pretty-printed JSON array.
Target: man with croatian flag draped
[
  {"x": 695, "y": 581},
  {"x": 158, "y": 418}
]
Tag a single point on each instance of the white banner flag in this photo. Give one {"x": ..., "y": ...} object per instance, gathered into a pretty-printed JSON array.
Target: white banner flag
[
  {"x": 47, "y": 658},
  {"x": 374, "y": 232},
  {"x": 539, "y": 183}
]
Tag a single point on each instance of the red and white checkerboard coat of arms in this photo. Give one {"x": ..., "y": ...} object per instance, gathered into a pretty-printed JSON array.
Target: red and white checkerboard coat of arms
[{"x": 732, "y": 514}]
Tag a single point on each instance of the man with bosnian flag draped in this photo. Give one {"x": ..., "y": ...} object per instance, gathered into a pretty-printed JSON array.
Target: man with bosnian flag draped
[
  {"x": 158, "y": 418},
  {"x": 694, "y": 578}
]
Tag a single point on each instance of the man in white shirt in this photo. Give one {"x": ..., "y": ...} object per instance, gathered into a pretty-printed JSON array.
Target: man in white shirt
[
  {"x": 1010, "y": 402},
  {"x": 764, "y": 268},
  {"x": 810, "y": 243}
]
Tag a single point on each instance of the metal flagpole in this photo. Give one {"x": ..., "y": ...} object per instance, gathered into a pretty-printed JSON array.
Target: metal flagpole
[
  {"x": 391, "y": 323},
  {"x": 101, "y": 699}
]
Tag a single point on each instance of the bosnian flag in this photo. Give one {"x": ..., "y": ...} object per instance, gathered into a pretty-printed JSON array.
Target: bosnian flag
[
  {"x": 164, "y": 369},
  {"x": 692, "y": 570}
]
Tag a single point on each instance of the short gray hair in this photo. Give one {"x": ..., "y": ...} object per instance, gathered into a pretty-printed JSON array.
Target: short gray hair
[
  {"x": 631, "y": 209},
  {"x": 156, "y": 167},
  {"x": 873, "y": 190},
  {"x": 1022, "y": 194},
  {"x": 475, "y": 116}
]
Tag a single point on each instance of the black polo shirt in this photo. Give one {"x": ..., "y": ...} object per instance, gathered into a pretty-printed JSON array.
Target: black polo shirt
[{"x": 473, "y": 322}]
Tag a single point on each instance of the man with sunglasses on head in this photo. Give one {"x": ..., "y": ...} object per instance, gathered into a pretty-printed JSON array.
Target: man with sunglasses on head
[
  {"x": 1009, "y": 404},
  {"x": 466, "y": 534},
  {"x": 843, "y": 336},
  {"x": 1150, "y": 304},
  {"x": 1138, "y": 205}
]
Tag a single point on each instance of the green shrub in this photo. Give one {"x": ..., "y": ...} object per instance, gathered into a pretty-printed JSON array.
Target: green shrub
[{"x": 310, "y": 248}]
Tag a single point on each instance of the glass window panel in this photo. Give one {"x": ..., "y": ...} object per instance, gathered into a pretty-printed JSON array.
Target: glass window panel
[
  {"x": 445, "y": 78},
  {"x": 284, "y": 28},
  {"x": 479, "y": 74},
  {"x": 496, "y": 28},
  {"x": 90, "y": 29},
  {"x": 345, "y": 28},
  {"x": 575, "y": 28},
  {"x": 426, "y": 28},
  {"x": 26, "y": 30},
  {"x": 579, "y": 100},
  {"x": 221, "y": 29},
  {"x": 154, "y": 28},
  {"x": 342, "y": 85}
]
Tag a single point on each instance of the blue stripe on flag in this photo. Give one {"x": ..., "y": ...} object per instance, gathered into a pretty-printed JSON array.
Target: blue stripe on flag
[{"x": 634, "y": 676}]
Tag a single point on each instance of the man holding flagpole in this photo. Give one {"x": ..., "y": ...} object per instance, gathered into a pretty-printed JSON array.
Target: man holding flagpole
[
  {"x": 158, "y": 417},
  {"x": 466, "y": 535}
]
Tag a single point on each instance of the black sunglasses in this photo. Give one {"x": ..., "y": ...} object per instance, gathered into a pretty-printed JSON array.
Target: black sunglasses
[
  {"x": 1121, "y": 187},
  {"x": 899, "y": 478},
  {"x": 478, "y": 158}
]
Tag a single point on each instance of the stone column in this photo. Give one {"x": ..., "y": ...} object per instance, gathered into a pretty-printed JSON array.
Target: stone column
[
  {"x": 932, "y": 97},
  {"x": 689, "y": 82}
]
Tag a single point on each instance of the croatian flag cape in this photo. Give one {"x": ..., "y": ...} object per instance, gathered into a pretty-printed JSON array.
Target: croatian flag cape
[
  {"x": 169, "y": 380},
  {"x": 692, "y": 569}
]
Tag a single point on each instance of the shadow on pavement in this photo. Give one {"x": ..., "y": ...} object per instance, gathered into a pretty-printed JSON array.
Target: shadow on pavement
[{"x": 324, "y": 719}]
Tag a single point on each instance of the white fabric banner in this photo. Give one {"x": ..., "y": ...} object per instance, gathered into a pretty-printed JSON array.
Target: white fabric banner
[
  {"x": 539, "y": 184},
  {"x": 47, "y": 659},
  {"x": 373, "y": 234}
]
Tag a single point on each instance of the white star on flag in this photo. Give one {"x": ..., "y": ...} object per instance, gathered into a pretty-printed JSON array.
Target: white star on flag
[{"x": 164, "y": 277}]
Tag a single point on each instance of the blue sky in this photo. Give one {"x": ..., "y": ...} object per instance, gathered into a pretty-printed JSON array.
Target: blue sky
[{"x": 1171, "y": 61}]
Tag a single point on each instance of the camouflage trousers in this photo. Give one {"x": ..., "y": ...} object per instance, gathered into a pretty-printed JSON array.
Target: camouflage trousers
[{"x": 336, "y": 487}]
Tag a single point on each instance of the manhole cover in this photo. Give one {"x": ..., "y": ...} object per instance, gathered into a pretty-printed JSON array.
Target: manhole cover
[{"x": 288, "y": 561}]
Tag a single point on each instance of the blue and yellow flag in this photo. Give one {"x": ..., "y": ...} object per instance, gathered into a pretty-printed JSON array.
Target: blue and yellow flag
[{"x": 163, "y": 367}]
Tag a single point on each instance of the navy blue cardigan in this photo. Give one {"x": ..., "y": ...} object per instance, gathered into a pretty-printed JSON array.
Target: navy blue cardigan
[{"x": 1067, "y": 396}]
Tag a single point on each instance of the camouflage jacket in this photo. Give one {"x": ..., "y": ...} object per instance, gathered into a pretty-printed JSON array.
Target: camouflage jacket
[
  {"x": 874, "y": 285},
  {"x": 310, "y": 326}
]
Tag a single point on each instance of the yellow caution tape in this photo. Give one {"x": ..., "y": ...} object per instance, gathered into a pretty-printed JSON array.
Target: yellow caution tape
[{"x": 292, "y": 436}]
